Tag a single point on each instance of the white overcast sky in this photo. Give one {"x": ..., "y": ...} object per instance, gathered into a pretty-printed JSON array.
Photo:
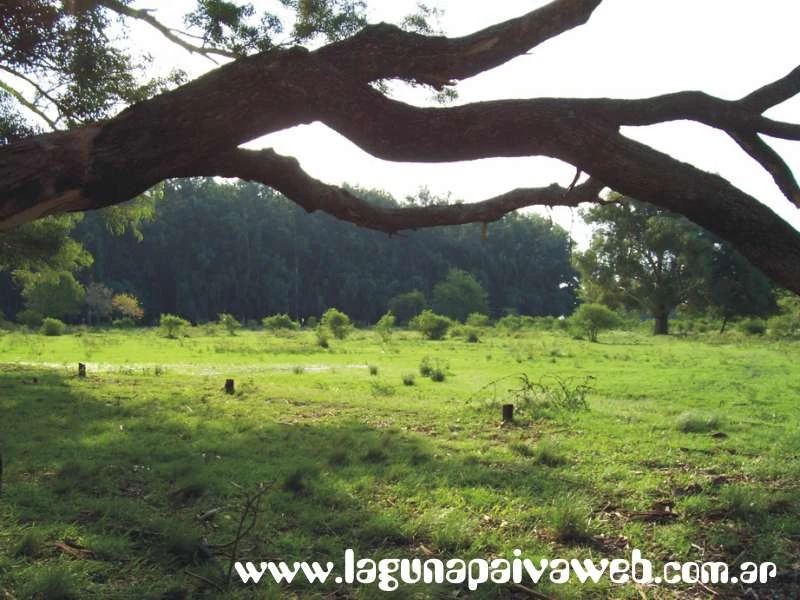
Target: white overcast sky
[{"x": 628, "y": 49}]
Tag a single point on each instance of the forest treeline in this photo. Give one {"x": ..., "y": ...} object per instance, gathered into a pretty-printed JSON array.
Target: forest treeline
[{"x": 241, "y": 248}]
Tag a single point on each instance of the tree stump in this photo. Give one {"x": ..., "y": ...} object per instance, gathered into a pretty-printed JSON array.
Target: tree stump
[
  {"x": 81, "y": 370},
  {"x": 229, "y": 386},
  {"x": 508, "y": 413}
]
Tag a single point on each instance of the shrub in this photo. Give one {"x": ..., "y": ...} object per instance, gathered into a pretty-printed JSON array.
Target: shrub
[
  {"x": 510, "y": 323},
  {"x": 30, "y": 317},
  {"x": 385, "y": 326},
  {"x": 311, "y": 322},
  {"x": 127, "y": 305},
  {"x": 280, "y": 321},
  {"x": 592, "y": 318},
  {"x": 172, "y": 324},
  {"x": 408, "y": 379},
  {"x": 373, "y": 369},
  {"x": 337, "y": 323},
  {"x": 123, "y": 323},
  {"x": 569, "y": 518},
  {"x": 753, "y": 326},
  {"x": 436, "y": 370},
  {"x": 51, "y": 326},
  {"x": 690, "y": 422},
  {"x": 405, "y": 306},
  {"x": 477, "y": 320},
  {"x": 425, "y": 367},
  {"x": 459, "y": 295},
  {"x": 431, "y": 325},
  {"x": 229, "y": 322},
  {"x": 322, "y": 337}
]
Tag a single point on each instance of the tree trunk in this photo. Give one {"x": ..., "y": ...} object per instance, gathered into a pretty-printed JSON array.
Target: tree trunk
[{"x": 661, "y": 325}]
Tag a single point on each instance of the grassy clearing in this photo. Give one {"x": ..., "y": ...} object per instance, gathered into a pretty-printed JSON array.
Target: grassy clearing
[{"x": 130, "y": 483}]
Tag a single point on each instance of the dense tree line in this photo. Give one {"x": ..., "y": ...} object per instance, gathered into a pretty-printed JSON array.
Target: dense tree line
[{"x": 241, "y": 248}]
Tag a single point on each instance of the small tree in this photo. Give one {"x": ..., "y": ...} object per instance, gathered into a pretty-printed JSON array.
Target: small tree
[
  {"x": 51, "y": 293},
  {"x": 127, "y": 305},
  {"x": 593, "y": 318},
  {"x": 477, "y": 320},
  {"x": 337, "y": 323},
  {"x": 431, "y": 325},
  {"x": 407, "y": 305},
  {"x": 171, "y": 325},
  {"x": 229, "y": 322},
  {"x": 51, "y": 326},
  {"x": 276, "y": 322},
  {"x": 459, "y": 295},
  {"x": 385, "y": 326},
  {"x": 98, "y": 302}
]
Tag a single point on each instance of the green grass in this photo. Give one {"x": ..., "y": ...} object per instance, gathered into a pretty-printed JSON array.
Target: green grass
[{"x": 105, "y": 478}]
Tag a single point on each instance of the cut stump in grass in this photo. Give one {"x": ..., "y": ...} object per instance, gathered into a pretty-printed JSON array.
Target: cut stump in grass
[
  {"x": 508, "y": 413},
  {"x": 229, "y": 387},
  {"x": 81, "y": 370}
]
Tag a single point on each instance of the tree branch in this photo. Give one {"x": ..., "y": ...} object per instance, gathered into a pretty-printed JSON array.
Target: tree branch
[
  {"x": 385, "y": 51},
  {"x": 286, "y": 176},
  {"x": 145, "y": 16},
  {"x": 28, "y": 104},
  {"x": 773, "y": 93},
  {"x": 772, "y": 162},
  {"x": 196, "y": 129}
]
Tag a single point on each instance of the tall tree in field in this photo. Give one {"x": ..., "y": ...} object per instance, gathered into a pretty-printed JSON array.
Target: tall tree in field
[
  {"x": 653, "y": 260},
  {"x": 642, "y": 257},
  {"x": 59, "y": 61}
]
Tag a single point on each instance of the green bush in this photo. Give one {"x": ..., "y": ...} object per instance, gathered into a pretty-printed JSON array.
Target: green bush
[
  {"x": 477, "y": 320},
  {"x": 337, "y": 323},
  {"x": 385, "y": 327},
  {"x": 431, "y": 325},
  {"x": 405, "y": 306},
  {"x": 172, "y": 325},
  {"x": 753, "y": 326},
  {"x": 592, "y": 318},
  {"x": 510, "y": 323},
  {"x": 322, "y": 337},
  {"x": 229, "y": 322},
  {"x": 124, "y": 323},
  {"x": 51, "y": 326},
  {"x": 31, "y": 318},
  {"x": 280, "y": 321}
]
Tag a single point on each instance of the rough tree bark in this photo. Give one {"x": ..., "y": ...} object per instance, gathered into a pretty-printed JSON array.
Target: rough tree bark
[{"x": 196, "y": 130}]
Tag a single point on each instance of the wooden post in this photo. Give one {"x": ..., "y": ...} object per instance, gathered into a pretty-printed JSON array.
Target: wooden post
[
  {"x": 81, "y": 370},
  {"x": 229, "y": 386},
  {"x": 508, "y": 413}
]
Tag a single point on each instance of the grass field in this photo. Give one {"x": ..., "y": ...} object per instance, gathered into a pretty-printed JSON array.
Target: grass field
[{"x": 132, "y": 482}]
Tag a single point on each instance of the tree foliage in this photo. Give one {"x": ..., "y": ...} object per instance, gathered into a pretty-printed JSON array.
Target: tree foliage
[
  {"x": 592, "y": 318},
  {"x": 458, "y": 295},
  {"x": 127, "y": 305},
  {"x": 52, "y": 293},
  {"x": 431, "y": 325},
  {"x": 651, "y": 260},
  {"x": 276, "y": 259}
]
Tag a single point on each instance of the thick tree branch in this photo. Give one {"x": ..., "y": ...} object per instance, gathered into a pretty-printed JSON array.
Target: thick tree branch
[
  {"x": 286, "y": 176},
  {"x": 196, "y": 129},
  {"x": 385, "y": 51},
  {"x": 772, "y": 162},
  {"x": 773, "y": 93}
]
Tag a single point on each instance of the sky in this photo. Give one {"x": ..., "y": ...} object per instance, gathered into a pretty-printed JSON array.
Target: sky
[{"x": 628, "y": 49}]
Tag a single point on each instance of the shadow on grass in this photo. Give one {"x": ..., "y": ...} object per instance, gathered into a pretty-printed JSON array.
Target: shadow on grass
[{"x": 124, "y": 487}]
